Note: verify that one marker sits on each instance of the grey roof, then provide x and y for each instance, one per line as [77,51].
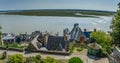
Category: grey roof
[76,32]
[55,43]
[8,36]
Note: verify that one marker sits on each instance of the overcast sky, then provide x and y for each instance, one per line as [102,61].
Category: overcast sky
[110,5]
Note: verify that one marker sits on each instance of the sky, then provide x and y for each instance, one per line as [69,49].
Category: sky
[107,5]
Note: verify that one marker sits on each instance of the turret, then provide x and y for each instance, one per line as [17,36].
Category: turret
[85,30]
[95,30]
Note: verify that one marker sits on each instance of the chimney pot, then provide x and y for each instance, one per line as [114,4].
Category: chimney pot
[85,30]
[95,30]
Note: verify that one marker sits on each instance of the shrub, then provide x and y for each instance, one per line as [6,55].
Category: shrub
[79,49]
[49,60]
[75,60]
[13,45]
[28,60]
[38,57]
[71,47]
[103,39]
[4,55]
[17,58]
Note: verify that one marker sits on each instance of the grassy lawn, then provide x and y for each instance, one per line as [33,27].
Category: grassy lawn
[15,45]
[2,60]
[62,61]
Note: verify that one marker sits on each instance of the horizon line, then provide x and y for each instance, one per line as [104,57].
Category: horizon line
[56,9]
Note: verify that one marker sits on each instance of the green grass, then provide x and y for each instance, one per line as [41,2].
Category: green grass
[79,49]
[62,61]
[2,60]
[14,45]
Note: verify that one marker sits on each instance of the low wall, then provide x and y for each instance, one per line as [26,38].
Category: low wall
[49,52]
[15,49]
[11,49]
[3,48]
[36,51]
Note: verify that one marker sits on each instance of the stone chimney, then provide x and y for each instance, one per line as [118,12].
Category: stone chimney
[65,37]
[95,30]
[85,30]
[45,39]
[57,34]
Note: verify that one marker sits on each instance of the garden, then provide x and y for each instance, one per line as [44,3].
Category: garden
[18,58]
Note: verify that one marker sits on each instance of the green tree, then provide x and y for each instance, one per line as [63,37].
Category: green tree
[38,57]
[115,25]
[28,60]
[4,55]
[71,46]
[119,4]
[0,37]
[75,60]
[17,58]
[49,60]
[103,39]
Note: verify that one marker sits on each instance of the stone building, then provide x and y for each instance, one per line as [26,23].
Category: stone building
[75,34]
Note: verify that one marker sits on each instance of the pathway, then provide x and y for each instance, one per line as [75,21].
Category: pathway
[85,58]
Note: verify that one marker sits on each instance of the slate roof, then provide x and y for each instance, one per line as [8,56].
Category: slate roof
[76,32]
[87,34]
[7,36]
[55,43]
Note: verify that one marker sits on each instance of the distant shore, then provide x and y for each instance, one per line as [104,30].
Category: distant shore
[63,12]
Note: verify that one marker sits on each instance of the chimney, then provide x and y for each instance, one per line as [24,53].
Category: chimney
[57,34]
[85,30]
[26,33]
[95,30]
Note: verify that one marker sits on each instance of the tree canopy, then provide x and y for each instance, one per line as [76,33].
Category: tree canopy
[0,27]
[49,60]
[75,60]
[17,58]
[103,39]
[115,25]
[119,4]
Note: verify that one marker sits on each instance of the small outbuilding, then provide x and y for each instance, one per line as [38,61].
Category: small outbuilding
[94,49]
